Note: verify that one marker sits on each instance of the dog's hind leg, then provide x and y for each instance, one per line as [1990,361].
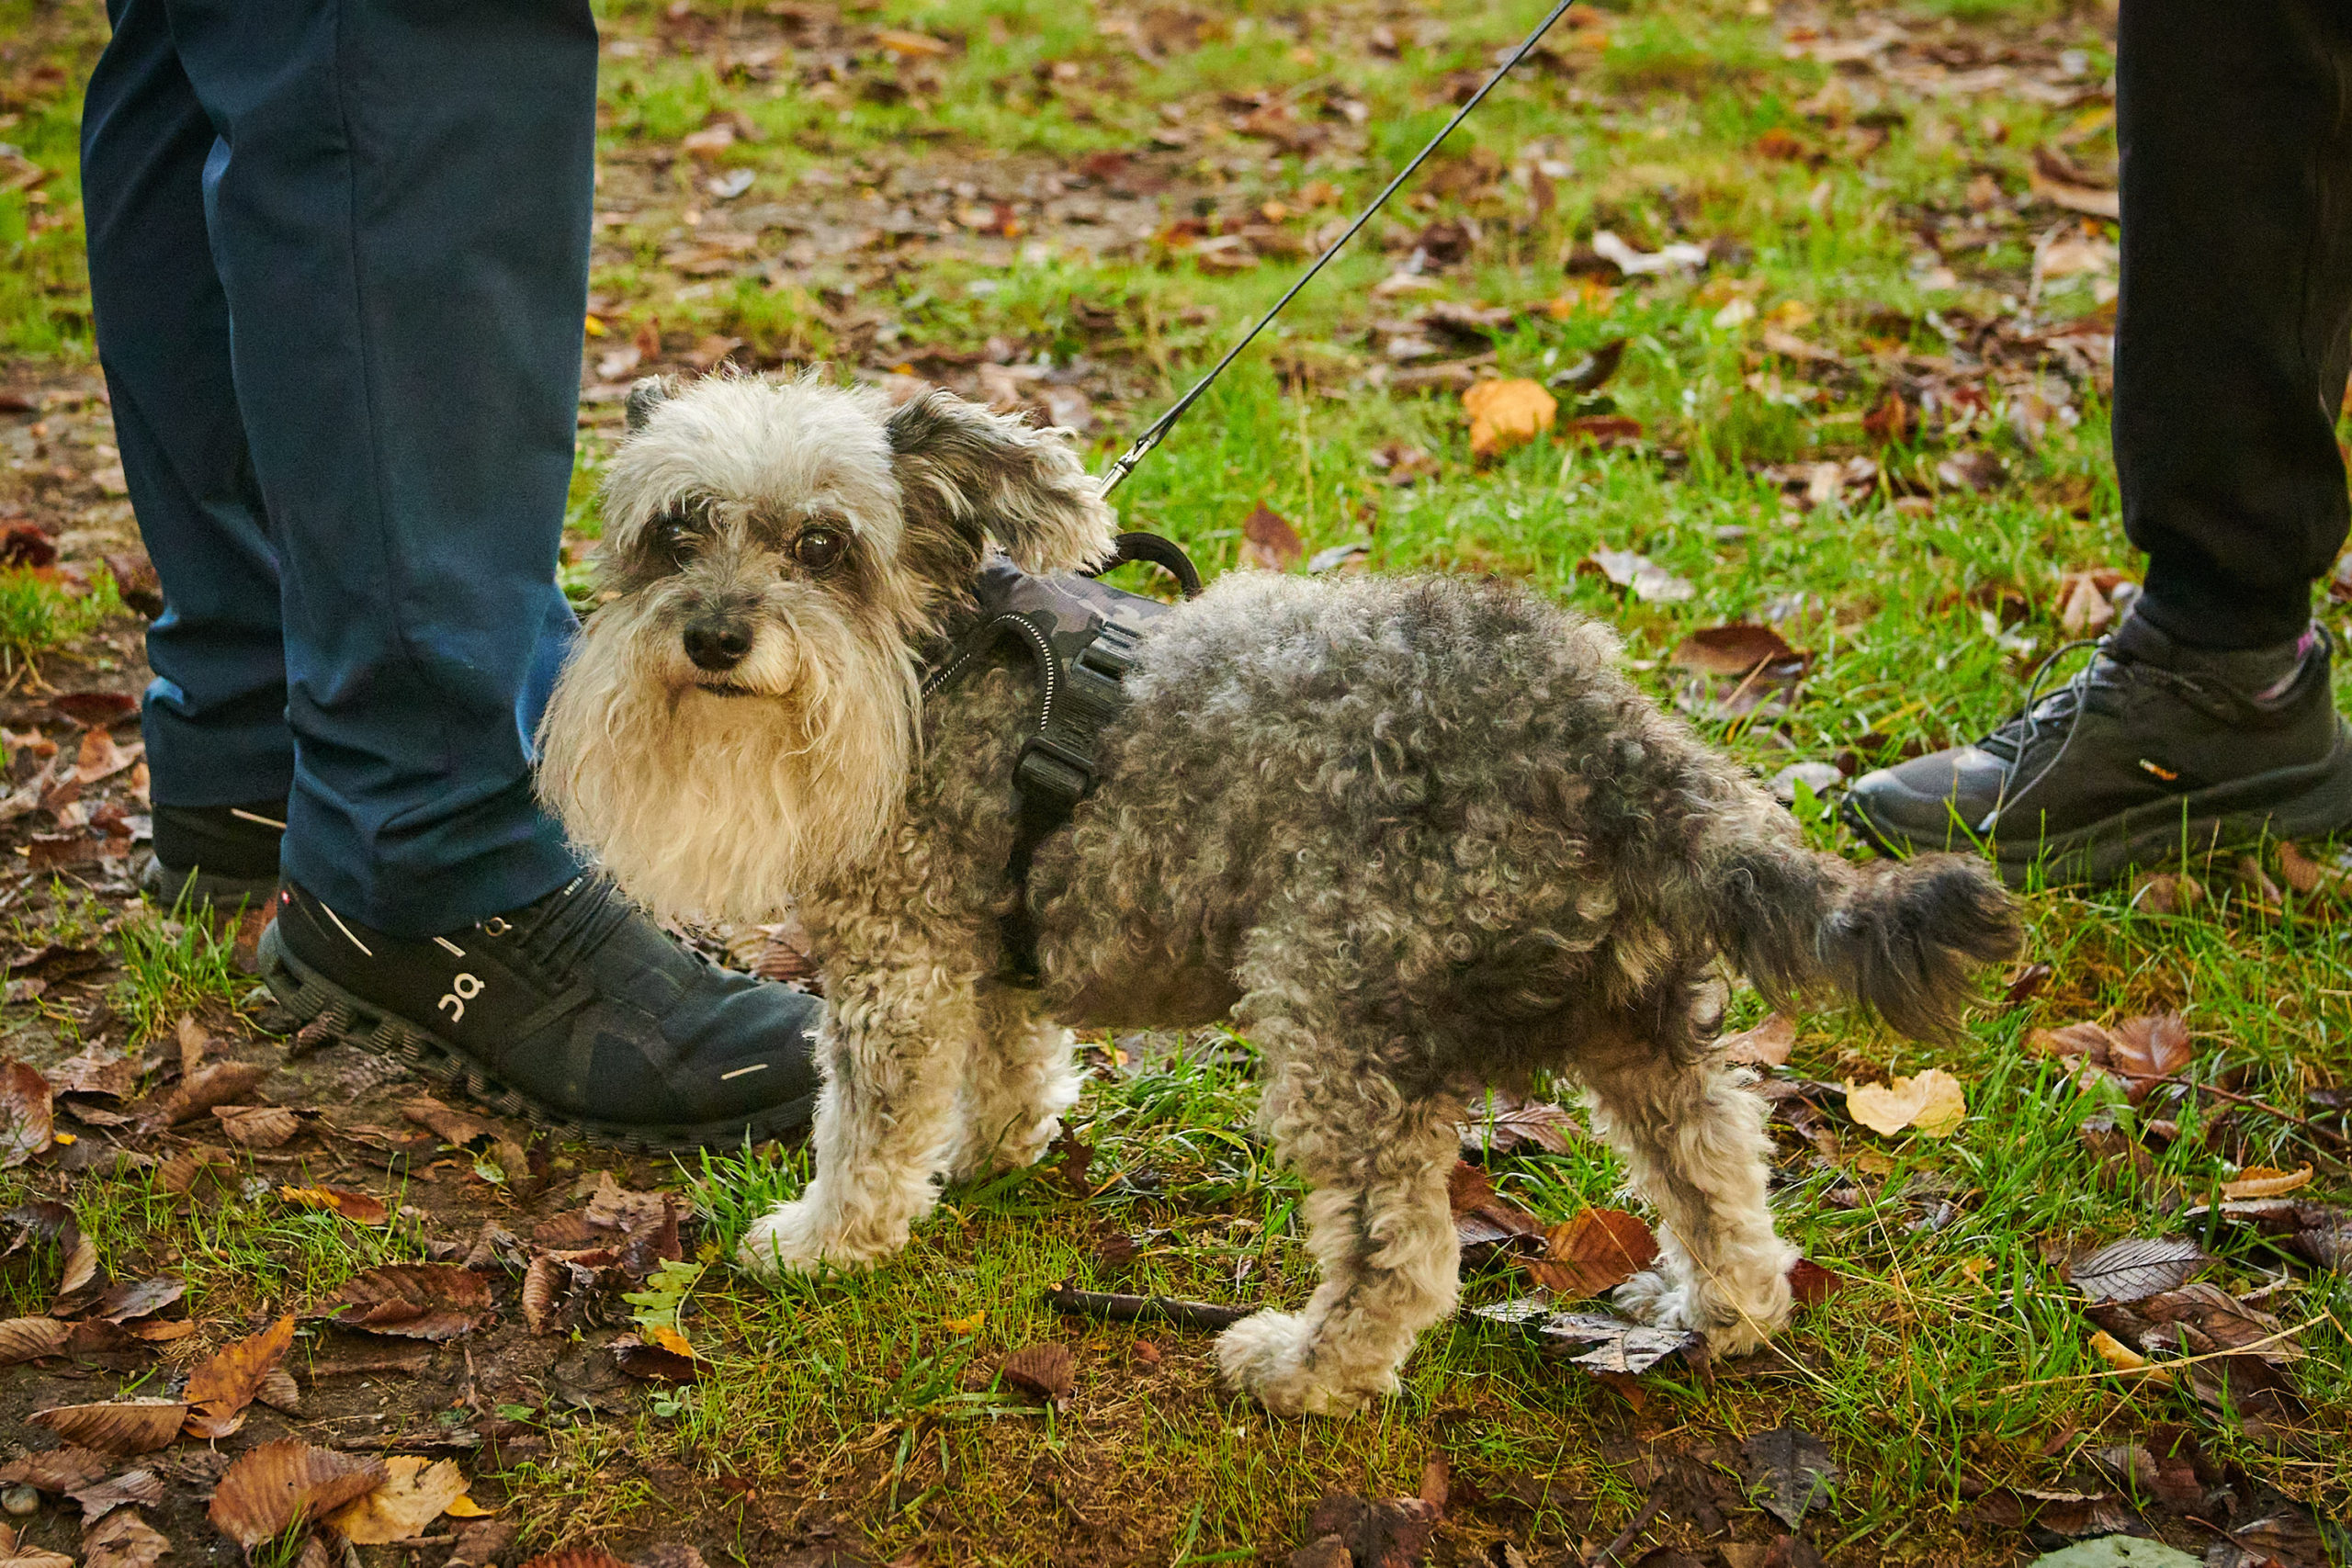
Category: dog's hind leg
[1022,1077]
[1376,1162]
[893,1052]
[1693,1139]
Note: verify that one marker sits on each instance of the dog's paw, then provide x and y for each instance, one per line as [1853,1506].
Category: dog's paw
[1013,1151]
[1264,1356]
[1731,1329]
[796,1238]
[1650,1297]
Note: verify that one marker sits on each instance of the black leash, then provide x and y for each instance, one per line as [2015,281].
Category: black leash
[1161,426]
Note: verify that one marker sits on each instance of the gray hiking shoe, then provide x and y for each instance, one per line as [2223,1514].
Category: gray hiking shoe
[2154,749]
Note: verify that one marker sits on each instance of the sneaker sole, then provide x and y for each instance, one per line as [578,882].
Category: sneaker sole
[2317,802]
[328,1011]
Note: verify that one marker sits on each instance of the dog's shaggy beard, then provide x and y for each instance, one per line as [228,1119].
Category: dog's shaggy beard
[714,807]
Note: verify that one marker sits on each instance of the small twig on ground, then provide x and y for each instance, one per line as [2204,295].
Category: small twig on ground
[1068,1298]
[2338,1139]
[1608,1554]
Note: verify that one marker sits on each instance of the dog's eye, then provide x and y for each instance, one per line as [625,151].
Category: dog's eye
[672,536]
[820,547]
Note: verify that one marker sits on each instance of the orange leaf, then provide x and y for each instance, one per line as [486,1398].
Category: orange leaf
[1507,413]
[219,1389]
[1598,1250]
[272,1486]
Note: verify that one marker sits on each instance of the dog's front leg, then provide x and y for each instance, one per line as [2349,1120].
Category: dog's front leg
[893,1052]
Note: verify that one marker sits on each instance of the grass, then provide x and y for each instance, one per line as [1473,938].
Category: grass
[1954,1358]
[39,615]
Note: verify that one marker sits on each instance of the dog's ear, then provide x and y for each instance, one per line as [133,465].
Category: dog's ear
[964,471]
[645,394]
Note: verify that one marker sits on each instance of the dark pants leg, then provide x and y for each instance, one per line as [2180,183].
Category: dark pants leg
[2236,319]
[339,260]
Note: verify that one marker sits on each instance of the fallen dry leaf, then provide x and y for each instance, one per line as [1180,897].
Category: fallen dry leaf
[655,1363]
[1503,1125]
[13,1555]
[106,1073]
[1597,1251]
[2136,1268]
[223,1083]
[1810,1283]
[130,1300]
[1601,1343]
[2303,873]
[577,1557]
[121,1426]
[1766,1045]
[413,1301]
[2150,1048]
[257,1126]
[1386,1532]
[1049,1372]
[29,1338]
[123,1540]
[57,1470]
[2261,1181]
[132,1487]
[1789,1470]
[194,1043]
[2055,179]
[413,1494]
[1268,541]
[271,1487]
[1649,581]
[1931,1103]
[914,45]
[1737,650]
[81,1268]
[194,1172]
[1507,413]
[28,1122]
[218,1390]
[358,1207]
[1483,1222]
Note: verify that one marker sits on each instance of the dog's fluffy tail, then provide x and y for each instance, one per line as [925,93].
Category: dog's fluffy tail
[1904,938]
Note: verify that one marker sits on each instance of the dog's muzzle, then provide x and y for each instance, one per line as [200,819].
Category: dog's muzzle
[718,643]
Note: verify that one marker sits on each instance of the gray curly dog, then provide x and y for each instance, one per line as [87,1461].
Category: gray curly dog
[1414,836]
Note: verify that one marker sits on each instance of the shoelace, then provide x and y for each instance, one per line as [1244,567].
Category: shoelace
[2018,733]
[571,923]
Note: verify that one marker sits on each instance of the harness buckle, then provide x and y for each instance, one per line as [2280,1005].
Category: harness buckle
[1053,771]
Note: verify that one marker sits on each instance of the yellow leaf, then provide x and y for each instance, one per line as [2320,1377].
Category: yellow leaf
[2261,1181]
[966,1325]
[464,1508]
[670,1339]
[2122,1357]
[413,1495]
[1507,413]
[1931,1103]
[595,327]
[899,41]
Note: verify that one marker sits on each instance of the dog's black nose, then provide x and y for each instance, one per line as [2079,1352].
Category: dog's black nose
[717,644]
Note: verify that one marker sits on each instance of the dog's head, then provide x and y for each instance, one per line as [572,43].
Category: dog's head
[739,715]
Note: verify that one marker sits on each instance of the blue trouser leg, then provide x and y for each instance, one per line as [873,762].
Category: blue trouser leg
[395,201]
[215,715]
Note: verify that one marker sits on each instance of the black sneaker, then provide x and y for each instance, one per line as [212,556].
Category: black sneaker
[222,855]
[2154,749]
[576,1013]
